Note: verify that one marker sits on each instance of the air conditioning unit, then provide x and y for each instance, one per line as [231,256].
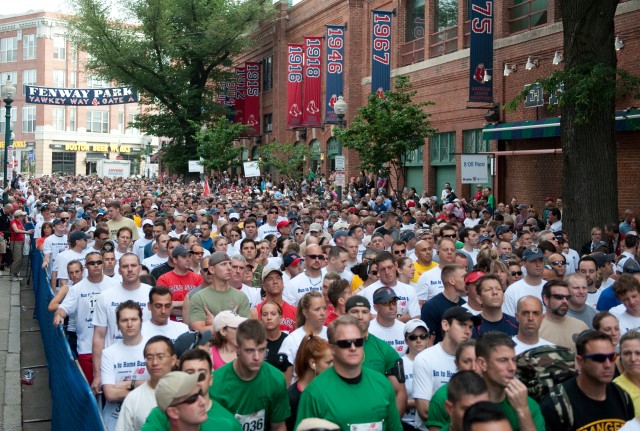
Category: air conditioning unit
[268,127]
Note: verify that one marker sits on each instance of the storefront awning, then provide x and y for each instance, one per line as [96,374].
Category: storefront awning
[94,157]
[626,120]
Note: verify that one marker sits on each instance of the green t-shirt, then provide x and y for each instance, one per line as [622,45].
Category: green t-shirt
[218,419]
[378,355]
[438,416]
[371,400]
[512,416]
[257,403]
[216,302]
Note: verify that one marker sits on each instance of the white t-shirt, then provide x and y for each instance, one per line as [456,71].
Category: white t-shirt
[592,298]
[54,245]
[408,302]
[410,415]
[432,368]
[267,229]
[37,231]
[429,284]
[518,290]
[632,425]
[171,330]
[79,304]
[523,347]
[121,363]
[253,295]
[139,245]
[393,336]
[627,321]
[299,285]
[136,407]
[154,261]
[108,301]
[292,342]
[63,260]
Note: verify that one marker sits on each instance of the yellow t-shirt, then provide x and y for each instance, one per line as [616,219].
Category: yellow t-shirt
[421,269]
[356,282]
[631,389]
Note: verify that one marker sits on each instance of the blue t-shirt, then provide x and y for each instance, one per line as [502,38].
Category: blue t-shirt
[607,300]
[432,312]
[508,324]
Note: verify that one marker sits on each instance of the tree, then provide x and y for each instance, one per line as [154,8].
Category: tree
[387,129]
[216,145]
[288,159]
[173,52]
[591,81]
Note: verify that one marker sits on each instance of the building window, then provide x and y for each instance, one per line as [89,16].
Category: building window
[14,118]
[59,78]
[267,120]
[73,79]
[95,82]
[63,163]
[73,119]
[60,47]
[98,121]
[414,26]
[121,121]
[473,142]
[57,119]
[526,14]
[444,40]
[443,148]
[28,47]
[8,49]
[28,78]
[135,162]
[28,119]
[130,130]
[446,14]
[267,73]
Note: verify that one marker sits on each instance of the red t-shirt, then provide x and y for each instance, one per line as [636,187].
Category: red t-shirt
[288,316]
[16,237]
[180,285]
[331,316]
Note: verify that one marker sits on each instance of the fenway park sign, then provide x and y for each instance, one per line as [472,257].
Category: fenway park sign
[81,96]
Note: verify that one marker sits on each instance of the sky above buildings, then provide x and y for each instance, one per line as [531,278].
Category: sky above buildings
[23,6]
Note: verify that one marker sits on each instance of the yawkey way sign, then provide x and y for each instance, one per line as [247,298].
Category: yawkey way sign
[81,96]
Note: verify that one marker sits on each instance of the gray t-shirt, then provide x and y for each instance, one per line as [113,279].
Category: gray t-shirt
[586,315]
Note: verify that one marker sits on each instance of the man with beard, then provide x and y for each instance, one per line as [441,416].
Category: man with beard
[556,326]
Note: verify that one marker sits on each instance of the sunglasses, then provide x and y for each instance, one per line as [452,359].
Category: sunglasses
[400,251]
[94,262]
[514,273]
[197,235]
[64,218]
[272,212]
[233,219]
[560,297]
[346,344]
[107,247]
[192,399]
[197,253]
[415,337]
[601,357]
[449,236]
[558,262]
[316,256]
[389,303]
[373,272]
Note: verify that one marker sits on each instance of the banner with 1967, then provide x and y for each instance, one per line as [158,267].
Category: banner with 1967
[381,51]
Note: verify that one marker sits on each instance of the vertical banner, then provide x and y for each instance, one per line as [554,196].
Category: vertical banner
[312,115]
[252,99]
[295,59]
[334,70]
[241,94]
[381,51]
[481,52]
[230,98]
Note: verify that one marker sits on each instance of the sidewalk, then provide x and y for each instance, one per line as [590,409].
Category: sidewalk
[10,388]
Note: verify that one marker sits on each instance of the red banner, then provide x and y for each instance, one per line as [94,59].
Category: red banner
[241,94]
[312,116]
[295,59]
[252,100]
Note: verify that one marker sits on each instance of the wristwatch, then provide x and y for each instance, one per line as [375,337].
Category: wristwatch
[133,385]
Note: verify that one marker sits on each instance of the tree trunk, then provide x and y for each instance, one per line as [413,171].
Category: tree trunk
[589,177]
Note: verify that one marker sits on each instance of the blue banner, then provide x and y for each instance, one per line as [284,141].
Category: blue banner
[335,69]
[381,51]
[80,96]
[481,56]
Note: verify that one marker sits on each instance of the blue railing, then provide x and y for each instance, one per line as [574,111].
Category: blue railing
[74,406]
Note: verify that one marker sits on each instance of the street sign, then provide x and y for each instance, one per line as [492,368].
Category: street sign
[340,162]
[474,169]
[340,179]
[196,166]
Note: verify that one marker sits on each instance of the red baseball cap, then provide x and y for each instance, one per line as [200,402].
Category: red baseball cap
[474,276]
[282,224]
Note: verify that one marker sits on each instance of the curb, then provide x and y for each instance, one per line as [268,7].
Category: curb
[12,403]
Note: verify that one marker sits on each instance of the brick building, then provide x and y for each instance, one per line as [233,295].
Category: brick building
[431,46]
[34,49]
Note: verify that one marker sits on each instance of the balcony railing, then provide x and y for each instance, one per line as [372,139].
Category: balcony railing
[443,42]
[412,52]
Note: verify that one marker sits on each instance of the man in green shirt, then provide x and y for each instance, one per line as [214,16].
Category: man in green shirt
[496,360]
[371,401]
[251,389]
[463,390]
[378,355]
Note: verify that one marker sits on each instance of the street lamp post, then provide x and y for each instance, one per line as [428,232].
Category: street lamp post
[8,92]
[148,159]
[340,108]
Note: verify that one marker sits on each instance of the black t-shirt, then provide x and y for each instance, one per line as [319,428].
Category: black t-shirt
[161,270]
[272,350]
[589,414]
[4,223]
[432,312]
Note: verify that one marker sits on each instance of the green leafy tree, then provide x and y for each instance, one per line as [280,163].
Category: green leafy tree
[216,145]
[387,129]
[591,82]
[287,159]
[174,52]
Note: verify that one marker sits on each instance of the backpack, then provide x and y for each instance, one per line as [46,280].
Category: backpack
[545,367]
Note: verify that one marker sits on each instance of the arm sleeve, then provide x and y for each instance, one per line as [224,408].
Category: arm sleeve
[70,302]
[438,415]
[125,418]
[421,287]
[287,349]
[393,416]
[509,306]
[244,308]
[289,295]
[536,414]
[100,314]
[414,307]
[108,376]
[422,380]
[280,408]
[196,311]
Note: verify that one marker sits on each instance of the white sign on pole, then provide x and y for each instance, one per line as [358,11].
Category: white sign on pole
[475,169]
[340,161]
[340,179]
[251,169]
[196,166]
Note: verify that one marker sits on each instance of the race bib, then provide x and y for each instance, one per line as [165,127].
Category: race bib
[253,421]
[373,426]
